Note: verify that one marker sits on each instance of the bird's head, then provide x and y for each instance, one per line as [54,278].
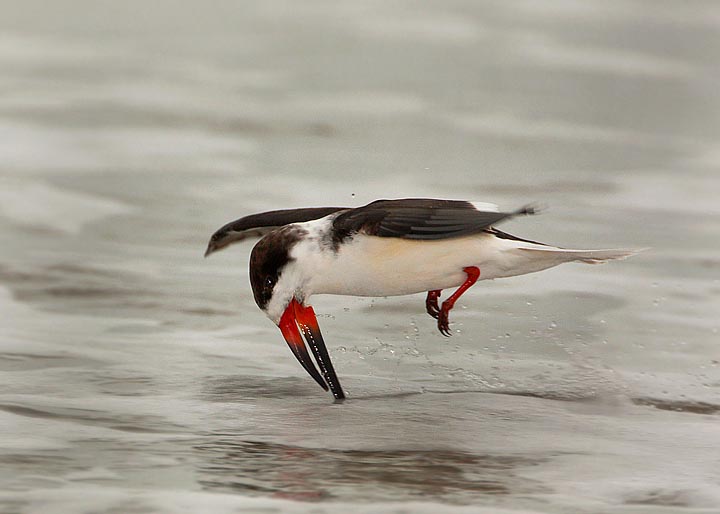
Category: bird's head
[278,287]
[274,275]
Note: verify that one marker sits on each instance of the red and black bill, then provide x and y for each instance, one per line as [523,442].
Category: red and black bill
[296,315]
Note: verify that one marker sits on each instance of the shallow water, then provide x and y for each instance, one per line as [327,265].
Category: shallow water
[138,377]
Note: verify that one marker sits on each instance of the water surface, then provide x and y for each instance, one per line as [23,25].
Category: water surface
[138,377]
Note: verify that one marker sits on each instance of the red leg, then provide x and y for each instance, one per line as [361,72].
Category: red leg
[473,274]
[431,303]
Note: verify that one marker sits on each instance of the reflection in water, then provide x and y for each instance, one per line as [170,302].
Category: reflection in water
[693,407]
[255,467]
[242,388]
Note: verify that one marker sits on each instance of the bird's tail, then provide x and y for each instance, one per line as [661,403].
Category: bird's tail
[586,256]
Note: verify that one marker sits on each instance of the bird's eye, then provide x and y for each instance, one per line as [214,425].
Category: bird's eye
[269,281]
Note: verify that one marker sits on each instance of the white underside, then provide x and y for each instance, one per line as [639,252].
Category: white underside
[380,266]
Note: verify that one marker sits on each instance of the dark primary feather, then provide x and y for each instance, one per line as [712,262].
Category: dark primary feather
[418,218]
[505,235]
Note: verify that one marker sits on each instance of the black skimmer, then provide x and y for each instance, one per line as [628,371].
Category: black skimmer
[385,248]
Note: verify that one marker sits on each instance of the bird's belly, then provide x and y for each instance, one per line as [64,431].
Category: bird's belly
[375,266]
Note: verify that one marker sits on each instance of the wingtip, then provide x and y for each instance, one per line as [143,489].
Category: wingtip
[531,209]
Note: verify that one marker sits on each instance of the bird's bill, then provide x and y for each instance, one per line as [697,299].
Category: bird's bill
[296,315]
[288,327]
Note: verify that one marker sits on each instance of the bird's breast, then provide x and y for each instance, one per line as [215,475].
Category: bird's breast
[383,266]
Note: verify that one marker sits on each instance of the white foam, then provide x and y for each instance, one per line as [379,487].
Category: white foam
[518,126]
[31,148]
[552,52]
[39,204]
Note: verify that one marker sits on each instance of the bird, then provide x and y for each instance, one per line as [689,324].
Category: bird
[385,248]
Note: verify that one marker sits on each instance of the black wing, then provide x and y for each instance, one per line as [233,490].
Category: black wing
[273,219]
[257,225]
[419,218]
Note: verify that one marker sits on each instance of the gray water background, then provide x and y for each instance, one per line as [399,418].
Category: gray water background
[138,377]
